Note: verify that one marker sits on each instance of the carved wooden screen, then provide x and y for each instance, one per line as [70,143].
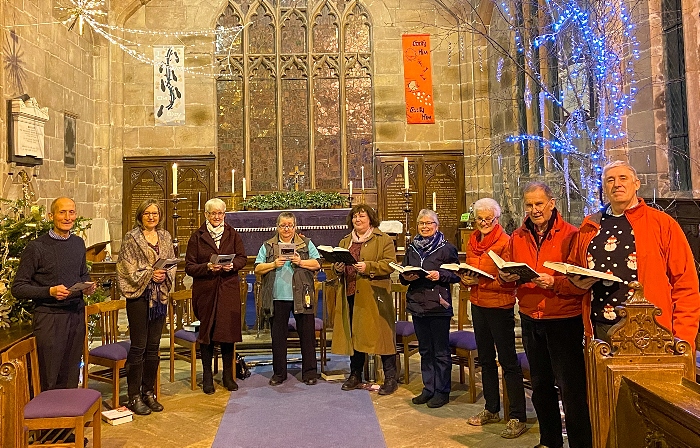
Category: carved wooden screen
[295,95]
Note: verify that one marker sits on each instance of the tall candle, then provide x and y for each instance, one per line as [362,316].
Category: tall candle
[199,200]
[174,178]
[362,169]
[233,181]
[405,173]
[350,184]
[244,189]
[434,202]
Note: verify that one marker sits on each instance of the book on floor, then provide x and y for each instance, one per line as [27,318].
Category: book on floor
[336,254]
[222,259]
[571,269]
[409,269]
[118,416]
[333,375]
[165,263]
[192,326]
[526,273]
[80,286]
[464,268]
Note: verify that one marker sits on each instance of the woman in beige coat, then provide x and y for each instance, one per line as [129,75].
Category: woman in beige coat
[365,318]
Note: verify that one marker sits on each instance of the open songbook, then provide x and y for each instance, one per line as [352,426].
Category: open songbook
[570,269]
[420,272]
[464,268]
[336,254]
[80,286]
[222,259]
[525,272]
[165,263]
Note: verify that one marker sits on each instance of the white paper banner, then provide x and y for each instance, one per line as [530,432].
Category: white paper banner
[169,85]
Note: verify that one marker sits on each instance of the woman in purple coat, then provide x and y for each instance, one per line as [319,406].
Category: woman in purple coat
[216,291]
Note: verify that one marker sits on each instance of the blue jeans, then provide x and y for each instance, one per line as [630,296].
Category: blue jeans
[433,333]
[554,348]
[494,329]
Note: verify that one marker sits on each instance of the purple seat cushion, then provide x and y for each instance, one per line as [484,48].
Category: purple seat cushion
[115,352]
[524,364]
[404,328]
[189,336]
[463,339]
[318,324]
[61,403]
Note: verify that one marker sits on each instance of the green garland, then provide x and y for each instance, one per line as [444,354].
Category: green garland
[20,223]
[284,200]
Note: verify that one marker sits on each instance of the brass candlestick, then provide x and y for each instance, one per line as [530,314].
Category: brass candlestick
[176,242]
[407,212]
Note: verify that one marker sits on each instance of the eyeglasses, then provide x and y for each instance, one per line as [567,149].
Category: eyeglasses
[286,226]
[151,213]
[486,222]
[426,223]
[216,213]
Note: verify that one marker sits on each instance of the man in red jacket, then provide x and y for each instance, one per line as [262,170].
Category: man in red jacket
[551,321]
[635,242]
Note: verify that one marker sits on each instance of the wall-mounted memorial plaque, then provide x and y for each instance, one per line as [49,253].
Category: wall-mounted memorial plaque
[440,174]
[26,134]
[152,177]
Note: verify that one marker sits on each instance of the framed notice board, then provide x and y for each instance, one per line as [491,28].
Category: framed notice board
[152,177]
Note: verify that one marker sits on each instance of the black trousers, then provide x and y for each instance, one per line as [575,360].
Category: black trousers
[144,354]
[59,340]
[433,333]
[554,348]
[307,340]
[494,330]
[357,359]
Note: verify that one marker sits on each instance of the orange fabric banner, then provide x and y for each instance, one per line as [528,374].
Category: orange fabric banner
[418,79]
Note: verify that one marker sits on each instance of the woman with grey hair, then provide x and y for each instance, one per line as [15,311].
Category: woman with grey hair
[494,321]
[216,291]
[429,301]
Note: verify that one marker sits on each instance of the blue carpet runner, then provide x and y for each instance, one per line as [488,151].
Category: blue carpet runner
[296,415]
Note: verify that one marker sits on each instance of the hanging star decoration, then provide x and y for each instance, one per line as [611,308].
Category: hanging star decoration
[81,11]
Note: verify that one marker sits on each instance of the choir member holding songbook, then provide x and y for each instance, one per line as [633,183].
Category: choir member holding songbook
[146,290]
[494,321]
[215,254]
[429,301]
[365,319]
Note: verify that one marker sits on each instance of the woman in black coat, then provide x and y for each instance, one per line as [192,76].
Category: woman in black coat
[216,291]
[429,301]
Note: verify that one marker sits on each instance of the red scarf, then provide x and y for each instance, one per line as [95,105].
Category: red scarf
[479,247]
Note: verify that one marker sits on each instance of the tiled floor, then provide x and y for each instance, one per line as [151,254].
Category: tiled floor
[191,418]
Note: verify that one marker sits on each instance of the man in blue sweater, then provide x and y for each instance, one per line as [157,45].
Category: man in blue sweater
[48,267]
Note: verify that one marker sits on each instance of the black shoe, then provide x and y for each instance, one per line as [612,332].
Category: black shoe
[208,383]
[438,400]
[276,380]
[422,398]
[310,381]
[230,384]
[389,387]
[354,381]
[149,399]
[138,406]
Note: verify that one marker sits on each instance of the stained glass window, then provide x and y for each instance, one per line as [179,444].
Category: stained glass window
[295,95]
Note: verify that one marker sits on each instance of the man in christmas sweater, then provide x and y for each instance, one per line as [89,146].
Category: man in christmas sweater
[635,242]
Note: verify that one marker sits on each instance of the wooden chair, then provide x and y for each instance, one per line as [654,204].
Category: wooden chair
[464,352]
[61,411]
[406,339]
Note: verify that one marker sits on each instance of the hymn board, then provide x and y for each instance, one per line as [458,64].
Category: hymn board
[152,177]
[441,174]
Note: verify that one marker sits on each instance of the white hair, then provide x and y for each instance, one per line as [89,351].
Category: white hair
[431,214]
[487,204]
[214,203]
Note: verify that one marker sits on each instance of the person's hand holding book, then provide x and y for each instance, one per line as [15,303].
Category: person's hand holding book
[159,275]
[433,275]
[508,278]
[360,266]
[544,281]
[583,282]
[469,279]
[410,277]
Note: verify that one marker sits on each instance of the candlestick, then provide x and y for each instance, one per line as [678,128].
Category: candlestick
[176,242]
[407,212]
[405,173]
[350,185]
[244,189]
[233,181]
[434,202]
[175,178]
[362,169]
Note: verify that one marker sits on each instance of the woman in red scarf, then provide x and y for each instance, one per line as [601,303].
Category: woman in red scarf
[494,321]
